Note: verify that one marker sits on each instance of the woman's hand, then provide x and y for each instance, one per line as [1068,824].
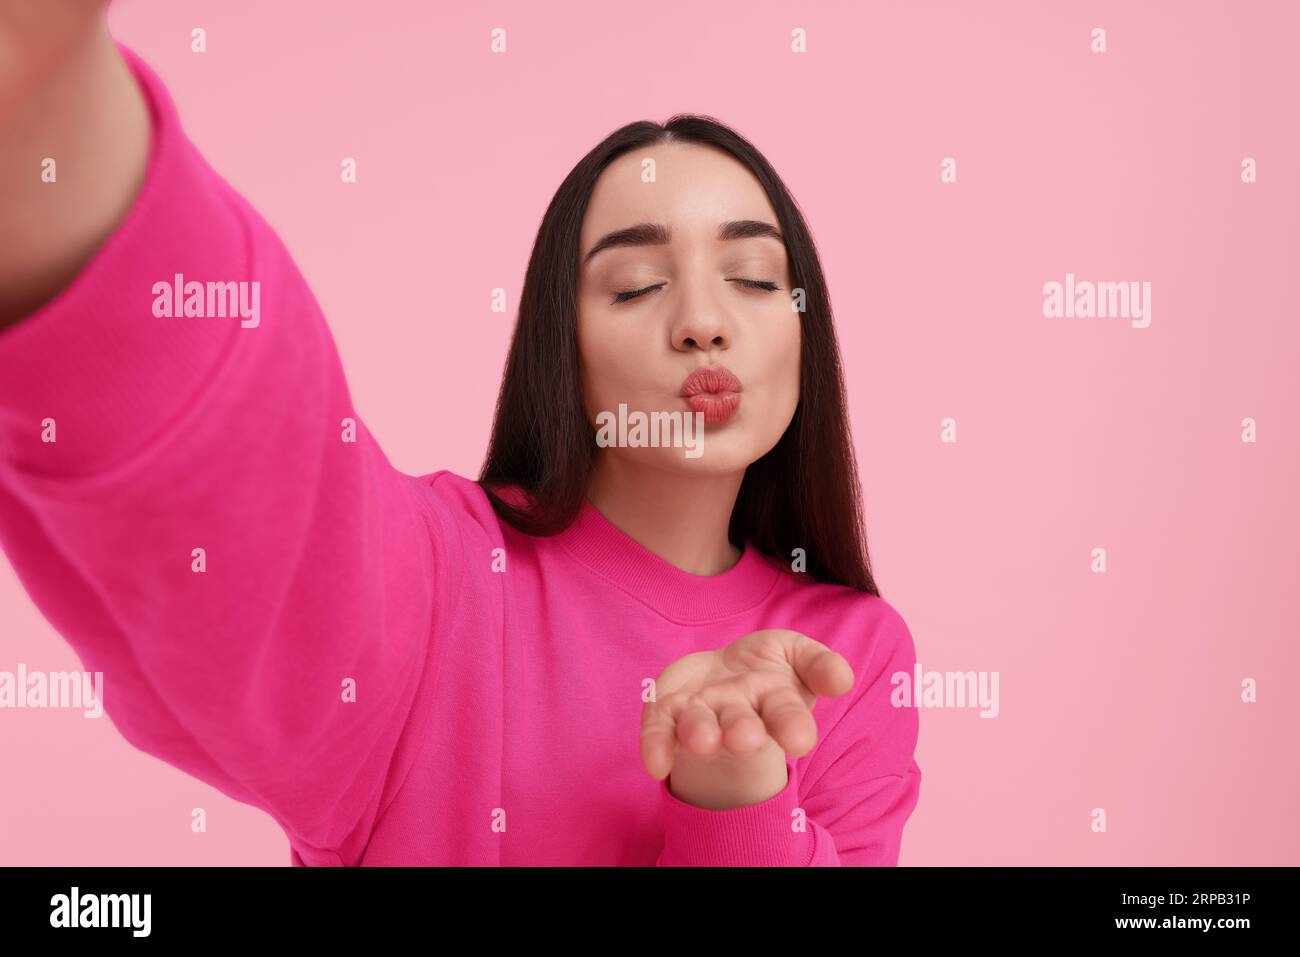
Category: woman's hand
[723,721]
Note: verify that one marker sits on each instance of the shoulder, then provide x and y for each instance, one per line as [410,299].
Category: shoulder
[460,505]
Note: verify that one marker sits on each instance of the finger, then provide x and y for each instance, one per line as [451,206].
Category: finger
[788,719]
[698,730]
[743,731]
[824,672]
[658,740]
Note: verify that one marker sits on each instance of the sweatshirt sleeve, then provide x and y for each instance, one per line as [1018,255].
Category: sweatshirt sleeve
[847,805]
[188,496]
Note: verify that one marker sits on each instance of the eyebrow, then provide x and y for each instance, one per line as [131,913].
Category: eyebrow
[656,234]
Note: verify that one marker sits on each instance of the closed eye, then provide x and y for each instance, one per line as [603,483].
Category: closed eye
[625,296]
[750,283]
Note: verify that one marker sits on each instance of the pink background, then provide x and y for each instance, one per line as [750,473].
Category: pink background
[1117,690]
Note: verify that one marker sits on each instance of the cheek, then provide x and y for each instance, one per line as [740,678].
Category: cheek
[609,362]
[787,348]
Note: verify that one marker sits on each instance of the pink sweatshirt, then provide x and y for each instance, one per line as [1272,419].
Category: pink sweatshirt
[346,652]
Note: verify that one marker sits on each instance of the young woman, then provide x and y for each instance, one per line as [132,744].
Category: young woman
[603,651]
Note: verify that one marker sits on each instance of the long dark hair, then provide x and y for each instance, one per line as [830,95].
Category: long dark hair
[803,493]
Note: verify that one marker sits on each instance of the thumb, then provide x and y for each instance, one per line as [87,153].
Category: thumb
[824,672]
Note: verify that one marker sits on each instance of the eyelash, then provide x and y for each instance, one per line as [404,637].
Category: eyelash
[638,293]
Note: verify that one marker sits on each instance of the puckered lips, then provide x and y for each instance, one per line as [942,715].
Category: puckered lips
[713,390]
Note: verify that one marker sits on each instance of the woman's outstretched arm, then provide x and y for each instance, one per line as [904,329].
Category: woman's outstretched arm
[74,145]
[185,489]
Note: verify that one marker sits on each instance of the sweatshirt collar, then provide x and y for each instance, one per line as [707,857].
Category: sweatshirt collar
[678,595]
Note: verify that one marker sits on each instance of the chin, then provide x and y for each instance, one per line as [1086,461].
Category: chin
[719,454]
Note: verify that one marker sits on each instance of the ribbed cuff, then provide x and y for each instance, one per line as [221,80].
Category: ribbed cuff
[757,835]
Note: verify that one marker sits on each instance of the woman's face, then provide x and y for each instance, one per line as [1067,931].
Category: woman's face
[705,302]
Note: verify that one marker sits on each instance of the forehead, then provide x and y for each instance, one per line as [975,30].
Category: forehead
[694,189]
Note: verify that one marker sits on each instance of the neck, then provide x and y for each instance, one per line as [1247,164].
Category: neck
[681,518]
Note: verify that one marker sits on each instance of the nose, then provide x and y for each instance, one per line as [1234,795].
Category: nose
[700,324]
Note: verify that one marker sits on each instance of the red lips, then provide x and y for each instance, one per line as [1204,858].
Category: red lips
[713,391]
